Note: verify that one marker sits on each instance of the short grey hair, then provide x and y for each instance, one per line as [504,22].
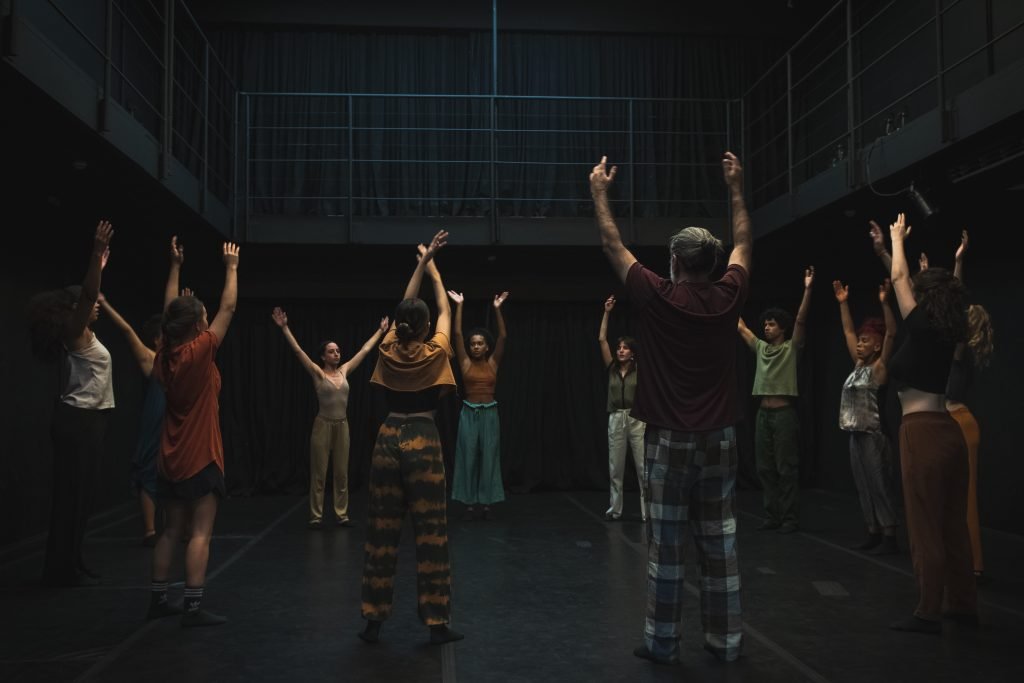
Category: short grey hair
[697,251]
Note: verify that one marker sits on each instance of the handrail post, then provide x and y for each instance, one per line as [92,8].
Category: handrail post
[940,75]
[166,130]
[351,167]
[851,117]
[632,179]
[789,120]
[206,128]
[108,50]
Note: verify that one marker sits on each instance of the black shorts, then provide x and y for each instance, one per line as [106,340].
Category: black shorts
[208,480]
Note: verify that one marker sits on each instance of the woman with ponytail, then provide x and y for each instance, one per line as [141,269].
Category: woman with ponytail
[407,470]
[61,326]
[191,462]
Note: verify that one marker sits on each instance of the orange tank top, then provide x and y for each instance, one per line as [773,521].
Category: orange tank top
[479,379]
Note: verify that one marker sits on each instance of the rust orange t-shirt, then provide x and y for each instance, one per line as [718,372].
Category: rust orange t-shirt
[191,433]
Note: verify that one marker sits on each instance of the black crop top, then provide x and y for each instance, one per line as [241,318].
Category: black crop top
[413,401]
[961,376]
[923,360]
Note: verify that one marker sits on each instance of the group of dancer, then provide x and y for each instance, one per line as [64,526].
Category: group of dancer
[678,417]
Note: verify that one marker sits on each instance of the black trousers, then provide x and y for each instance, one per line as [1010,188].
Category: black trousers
[77,435]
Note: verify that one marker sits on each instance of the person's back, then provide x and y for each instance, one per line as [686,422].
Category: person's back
[688,399]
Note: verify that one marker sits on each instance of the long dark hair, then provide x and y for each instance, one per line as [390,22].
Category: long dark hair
[176,326]
[942,297]
[411,318]
[48,316]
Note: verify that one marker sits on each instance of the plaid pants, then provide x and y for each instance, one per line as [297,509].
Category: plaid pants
[691,478]
[407,474]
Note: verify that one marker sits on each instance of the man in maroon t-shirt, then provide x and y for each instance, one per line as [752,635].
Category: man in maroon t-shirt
[686,393]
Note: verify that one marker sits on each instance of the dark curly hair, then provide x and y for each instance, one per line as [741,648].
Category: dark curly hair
[941,296]
[411,318]
[781,316]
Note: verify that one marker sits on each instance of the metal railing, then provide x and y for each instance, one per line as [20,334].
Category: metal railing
[152,58]
[352,155]
[865,70]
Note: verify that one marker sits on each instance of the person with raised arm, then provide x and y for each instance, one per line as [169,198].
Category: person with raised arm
[933,453]
[870,347]
[971,356]
[144,458]
[688,399]
[777,428]
[622,428]
[407,468]
[477,479]
[190,481]
[60,324]
[329,441]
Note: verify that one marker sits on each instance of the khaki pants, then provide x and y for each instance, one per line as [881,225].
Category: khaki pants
[623,430]
[329,438]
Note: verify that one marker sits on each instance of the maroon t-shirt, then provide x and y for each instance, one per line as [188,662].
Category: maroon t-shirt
[687,339]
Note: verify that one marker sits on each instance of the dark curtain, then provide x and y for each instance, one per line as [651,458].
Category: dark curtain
[551,390]
[433,156]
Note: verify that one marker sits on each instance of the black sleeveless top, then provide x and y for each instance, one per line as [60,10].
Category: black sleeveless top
[923,360]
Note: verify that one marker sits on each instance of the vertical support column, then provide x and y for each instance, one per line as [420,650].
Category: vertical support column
[205,171]
[235,151]
[166,120]
[940,75]
[245,189]
[103,115]
[789,122]
[632,178]
[495,230]
[851,116]
[728,146]
[351,167]
[8,34]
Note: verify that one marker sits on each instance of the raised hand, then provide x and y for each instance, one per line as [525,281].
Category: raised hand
[609,304]
[185,291]
[732,170]
[962,249]
[231,254]
[600,178]
[385,323]
[884,290]
[104,258]
[842,291]
[280,317]
[808,277]
[455,296]
[899,230]
[499,299]
[877,239]
[104,232]
[177,251]
[440,239]
[922,261]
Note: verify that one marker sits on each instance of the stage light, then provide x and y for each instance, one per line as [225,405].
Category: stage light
[920,201]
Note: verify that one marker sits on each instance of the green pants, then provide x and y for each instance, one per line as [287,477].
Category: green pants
[777,450]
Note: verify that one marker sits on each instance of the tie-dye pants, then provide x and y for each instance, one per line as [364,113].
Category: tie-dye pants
[407,474]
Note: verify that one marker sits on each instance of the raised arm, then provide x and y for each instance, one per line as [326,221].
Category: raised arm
[280,319]
[900,273]
[229,297]
[177,258]
[499,343]
[849,334]
[800,324]
[426,262]
[602,334]
[878,244]
[742,234]
[74,334]
[748,337]
[412,289]
[611,241]
[367,346]
[891,326]
[958,259]
[143,354]
[457,341]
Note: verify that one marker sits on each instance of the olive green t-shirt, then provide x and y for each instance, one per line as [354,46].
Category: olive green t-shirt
[776,369]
